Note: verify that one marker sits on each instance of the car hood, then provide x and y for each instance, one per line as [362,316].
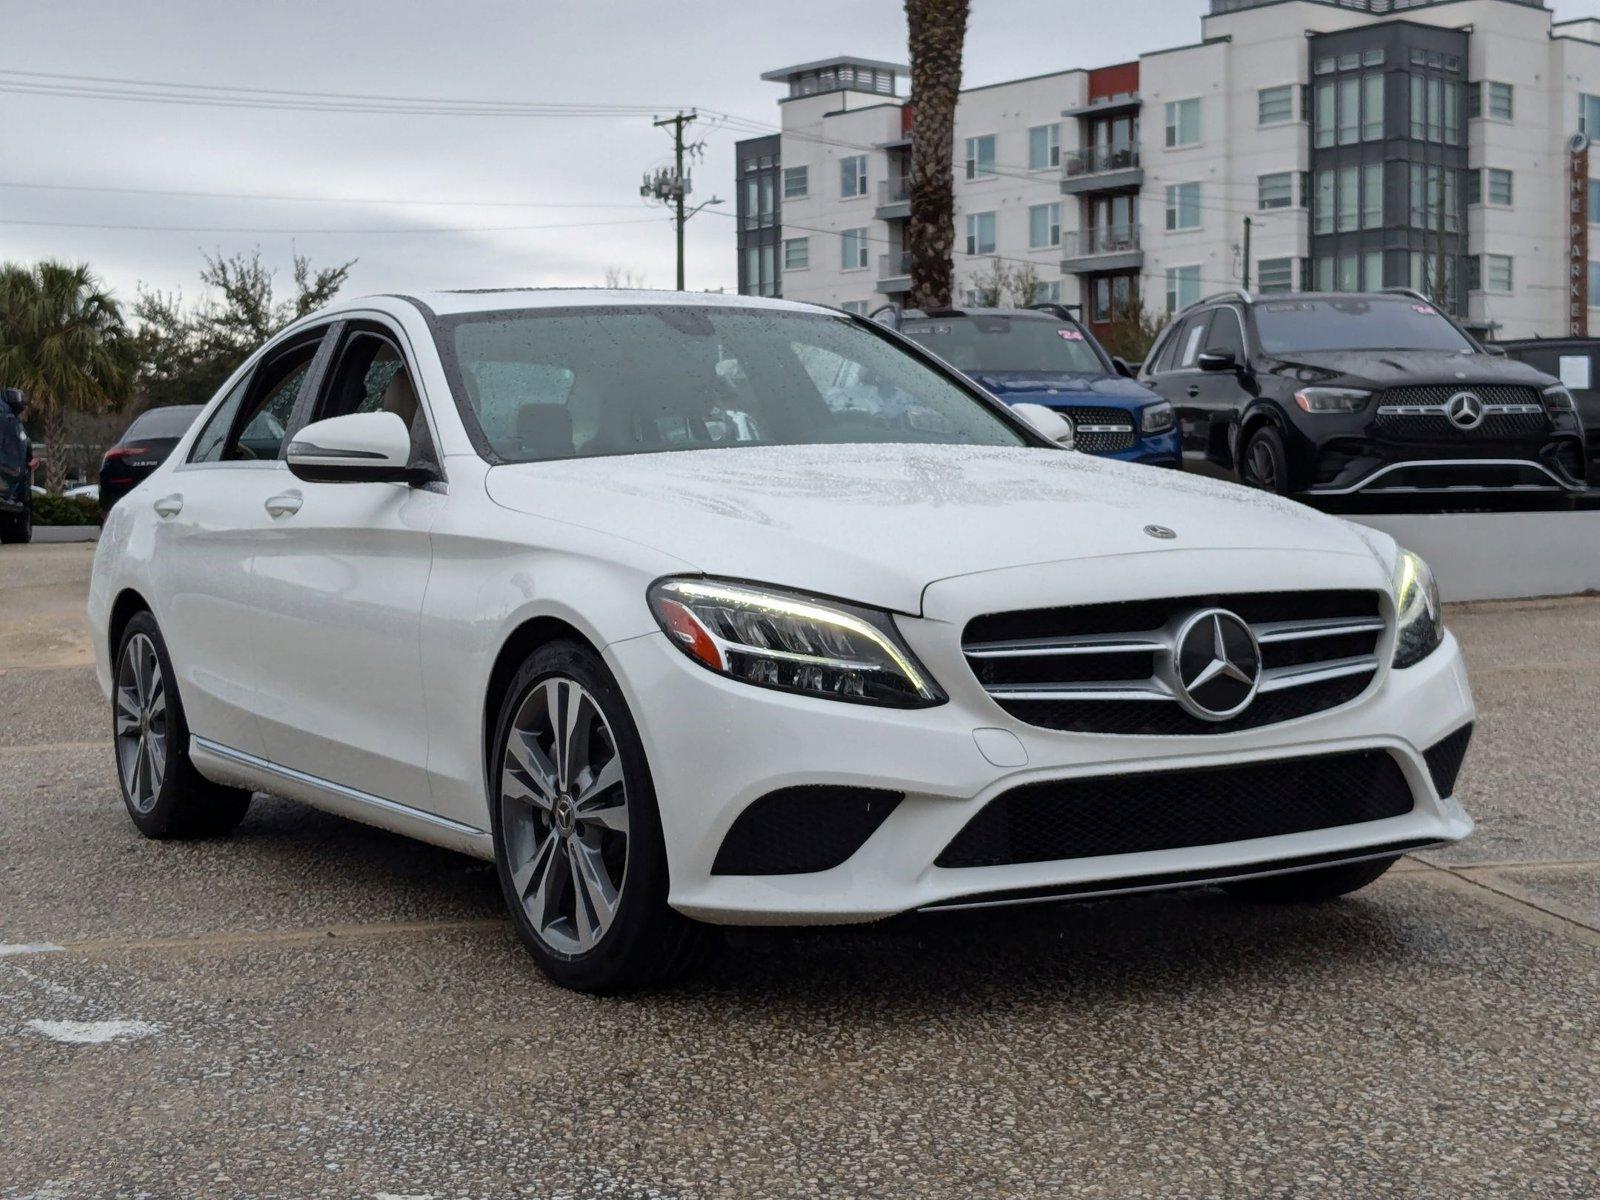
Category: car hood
[1064,390]
[878,523]
[1397,368]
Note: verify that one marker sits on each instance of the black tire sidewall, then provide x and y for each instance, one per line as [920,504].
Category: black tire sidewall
[616,961]
[164,816]
[1270,437]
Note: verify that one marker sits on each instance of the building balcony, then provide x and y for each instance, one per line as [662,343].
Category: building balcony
[894,272]
[1112,248]
[1101,169]
[894,200]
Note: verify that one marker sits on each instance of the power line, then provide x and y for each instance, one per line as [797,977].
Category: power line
[400,230]
[357,200]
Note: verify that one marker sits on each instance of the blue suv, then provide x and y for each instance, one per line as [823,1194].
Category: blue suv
[1045,356]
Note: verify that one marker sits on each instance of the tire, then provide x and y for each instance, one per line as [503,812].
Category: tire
[164,793]
[17,528]
[583,867]
[1264,463]
[1311,887]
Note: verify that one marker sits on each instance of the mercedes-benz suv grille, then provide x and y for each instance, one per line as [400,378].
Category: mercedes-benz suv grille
[1102,430]
[1420,413]
[1112,668]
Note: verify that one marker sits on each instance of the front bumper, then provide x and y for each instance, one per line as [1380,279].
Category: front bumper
[716,746]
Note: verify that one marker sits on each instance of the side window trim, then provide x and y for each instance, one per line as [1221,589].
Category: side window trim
[315,374]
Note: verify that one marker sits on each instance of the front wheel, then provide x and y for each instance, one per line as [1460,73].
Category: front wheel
[577,834]
[1264,463]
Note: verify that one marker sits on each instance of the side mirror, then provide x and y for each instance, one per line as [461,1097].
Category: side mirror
[1497,351]
[15,400]
[1121,364]
[359,448]
[1218,360]
[1048,422]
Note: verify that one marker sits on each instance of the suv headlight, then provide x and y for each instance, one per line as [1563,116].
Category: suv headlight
[1419,627]
[1331,399]
[1558,400]
[1157,418]
[792,642]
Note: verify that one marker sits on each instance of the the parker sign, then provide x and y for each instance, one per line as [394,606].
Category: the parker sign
[1578,236]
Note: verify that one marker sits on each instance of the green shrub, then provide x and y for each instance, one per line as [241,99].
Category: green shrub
[64,510]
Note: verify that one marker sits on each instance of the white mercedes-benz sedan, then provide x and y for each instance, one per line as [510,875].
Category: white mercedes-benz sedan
[691,610]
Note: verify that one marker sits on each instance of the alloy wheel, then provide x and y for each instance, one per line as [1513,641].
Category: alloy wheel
[141,722]
[564,815]
[1263,466]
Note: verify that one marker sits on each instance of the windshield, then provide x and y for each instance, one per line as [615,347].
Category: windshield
[1370,323]
[171,422]
[583,382]
[978,344]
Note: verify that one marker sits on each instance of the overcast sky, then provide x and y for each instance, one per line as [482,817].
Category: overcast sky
[572,172]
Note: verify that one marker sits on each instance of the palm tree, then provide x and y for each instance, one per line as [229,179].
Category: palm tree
[63,342]
[937,29]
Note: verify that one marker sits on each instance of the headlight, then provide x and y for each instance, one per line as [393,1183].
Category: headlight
[1331,399]
[1558,400]
[1157,418]
[792,642]
[1419,626]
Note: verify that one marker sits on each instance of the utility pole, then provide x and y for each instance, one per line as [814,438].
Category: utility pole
[1247,254]
[672,185]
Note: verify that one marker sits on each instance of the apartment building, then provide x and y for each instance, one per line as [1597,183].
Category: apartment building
[1298,145]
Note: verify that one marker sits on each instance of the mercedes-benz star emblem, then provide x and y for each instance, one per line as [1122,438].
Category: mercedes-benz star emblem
[1160,531]
[1465,410]
[1216,665]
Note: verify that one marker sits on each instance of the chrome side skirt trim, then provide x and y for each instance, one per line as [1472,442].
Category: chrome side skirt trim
[1439,464]
[351,802]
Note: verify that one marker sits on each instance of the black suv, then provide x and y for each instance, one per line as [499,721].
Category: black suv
[16,470]
[1370,393]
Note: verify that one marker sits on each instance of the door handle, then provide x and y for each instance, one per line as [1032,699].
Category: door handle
[285,504]
[1194,391]
[169,506]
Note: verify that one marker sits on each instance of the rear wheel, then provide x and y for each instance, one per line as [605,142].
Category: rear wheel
[1265,462]
[577,834]
[1311,887]
[164,793]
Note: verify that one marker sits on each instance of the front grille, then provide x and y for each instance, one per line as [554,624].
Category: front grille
[1444,759]
[1166,810]
[1101,430]
[1439,393]
[800,829]
[1417,414]
[1109,668]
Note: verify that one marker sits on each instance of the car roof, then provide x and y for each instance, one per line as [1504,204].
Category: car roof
[1034,314]
[474,300]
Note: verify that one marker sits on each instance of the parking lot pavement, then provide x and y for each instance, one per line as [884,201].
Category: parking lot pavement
[313,1008]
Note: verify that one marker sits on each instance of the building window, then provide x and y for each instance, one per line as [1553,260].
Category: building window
[980,233]
[853,249]
[1431,186]
[1589,116]
[1275,105]
[980,156]
[1499,189]
[1324,205]
[1183,287]
[1371,108]
[1594,201]
[1047,292]
[1276,275]
[1349,278]
[1594,284]
[858,307]
[796,182]
[1496,273]
[1419,108]
[1276,190]
[1372,270]
[1324,121]
[1183,206]
[853,175]
[1372,196]
[1452,113]
[1349,198]
[796,253]
[1044,226]
[1349,110]
[1499,101]
[1183,122]
[1044,147]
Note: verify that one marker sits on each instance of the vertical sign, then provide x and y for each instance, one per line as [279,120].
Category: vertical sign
[1578,236]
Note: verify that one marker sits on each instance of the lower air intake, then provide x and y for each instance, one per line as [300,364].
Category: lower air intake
[1444,759]
[796,830]
[1164,810]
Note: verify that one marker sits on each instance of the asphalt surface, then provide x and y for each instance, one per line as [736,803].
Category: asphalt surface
[313,1008]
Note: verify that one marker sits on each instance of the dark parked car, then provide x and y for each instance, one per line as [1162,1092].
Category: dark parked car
[1367,393]
[1576,361]
[16,470]
[1045,356]
[142,448]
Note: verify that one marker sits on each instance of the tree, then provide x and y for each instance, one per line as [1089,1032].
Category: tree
[1023,284]
[619,277]
[63,342]
[1133,330]
[185,355]
[937,31]
[989,288]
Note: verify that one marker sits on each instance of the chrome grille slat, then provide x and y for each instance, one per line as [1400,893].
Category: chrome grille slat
[1277,678]
[1268,632]
[1149,689]
[1043,647]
